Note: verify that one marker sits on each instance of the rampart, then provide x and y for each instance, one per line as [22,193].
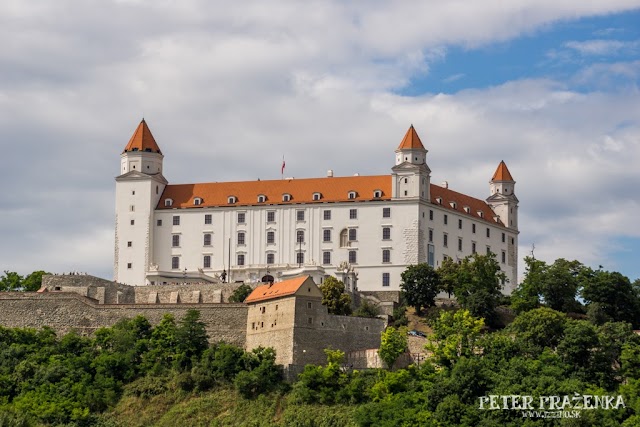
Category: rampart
[68,311]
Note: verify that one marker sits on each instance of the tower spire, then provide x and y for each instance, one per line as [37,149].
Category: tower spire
[142,140]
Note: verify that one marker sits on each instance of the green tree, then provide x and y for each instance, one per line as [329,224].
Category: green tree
[334,296]
[420,286]
[613,293]
[33,281]
[192,339]
[526,296]
[367,309]
[240,293]
[455,334]
[538,328]
[393,343]
[478,282]
[10,281]
[559,285]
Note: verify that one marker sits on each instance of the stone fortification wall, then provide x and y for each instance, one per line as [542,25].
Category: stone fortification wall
[108,292]
[65,312]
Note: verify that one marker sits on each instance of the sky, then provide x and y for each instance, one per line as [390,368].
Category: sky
[228,88]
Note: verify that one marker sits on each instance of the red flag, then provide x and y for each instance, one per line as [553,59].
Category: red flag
[282,170]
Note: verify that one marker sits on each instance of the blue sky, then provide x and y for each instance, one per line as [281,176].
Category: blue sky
[549,86]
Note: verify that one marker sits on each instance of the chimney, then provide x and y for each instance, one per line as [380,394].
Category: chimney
[445,184]
[330,173]
[356,174]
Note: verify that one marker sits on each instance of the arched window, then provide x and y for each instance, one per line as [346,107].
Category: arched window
[231,200]
[377,194]
[207,239]
[197,201]
[286,197]
[344,238]
[262,198]
[352,194]
[168,202]
[317,196]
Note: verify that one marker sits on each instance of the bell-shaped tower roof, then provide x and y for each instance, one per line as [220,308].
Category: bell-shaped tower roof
[142,140]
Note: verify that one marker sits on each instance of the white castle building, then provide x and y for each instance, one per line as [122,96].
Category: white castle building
[371,227]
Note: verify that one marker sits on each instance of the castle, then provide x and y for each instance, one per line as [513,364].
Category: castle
[363,229]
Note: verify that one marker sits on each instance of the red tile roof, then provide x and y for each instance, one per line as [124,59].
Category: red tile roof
[336,189]
[411,141]
[277,290]
[502,173]
[331,189]
[142,140]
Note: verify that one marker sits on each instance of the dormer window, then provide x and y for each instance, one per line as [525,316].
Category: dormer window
[352,194]
[453,204]
[439,200]
[467,209]
[168,203]
[481,214]
[197,201]
[317,196]
[286,197]
[262,198]
[377,194]
[232,199]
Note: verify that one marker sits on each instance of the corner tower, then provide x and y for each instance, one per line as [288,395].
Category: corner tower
[503,199]
[411,175]
[138,189]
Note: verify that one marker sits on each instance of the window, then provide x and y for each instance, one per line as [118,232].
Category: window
[504,238]
[386,279]
[446,219]
[386,255]
[271,237]
[231,200]
[430,215]
[129,244]
[377,194]
[430,235]
[488,232]
[207,219]
[353,234]
[176,220]
[351,194]
[168,203]
[300,236]
[129,265]
[353,213]
[240,259]
[473,228]
[406,180]
[159,223]
[353,257]
[317,196]
[286,197]
[206,261]
[326,258]
[386,233]
[197,201]
[207,239]
[175,240]
[504,257]
[459,224]
[271,258]
[241,217]
[241,240]
[262,198]
[132,208]
[310,320]
[459,244]
[386,212]
[445,241]
[473,247]
[133,221]
[344,238]
[327,215]
[300,257]
[326,235]
[300,215]
[271,216]
[488,250]
[175,262]
[133,193]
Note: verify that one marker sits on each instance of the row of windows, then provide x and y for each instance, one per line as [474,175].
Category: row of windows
[473,226]
[271,216]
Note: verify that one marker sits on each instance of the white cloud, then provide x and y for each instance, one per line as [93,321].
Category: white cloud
[227,88]
[602,47]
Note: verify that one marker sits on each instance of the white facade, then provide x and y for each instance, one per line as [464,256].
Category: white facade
[374,225]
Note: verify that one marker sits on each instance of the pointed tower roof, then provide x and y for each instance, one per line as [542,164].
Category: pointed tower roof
[142,140]
[502,173]
[411,141]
